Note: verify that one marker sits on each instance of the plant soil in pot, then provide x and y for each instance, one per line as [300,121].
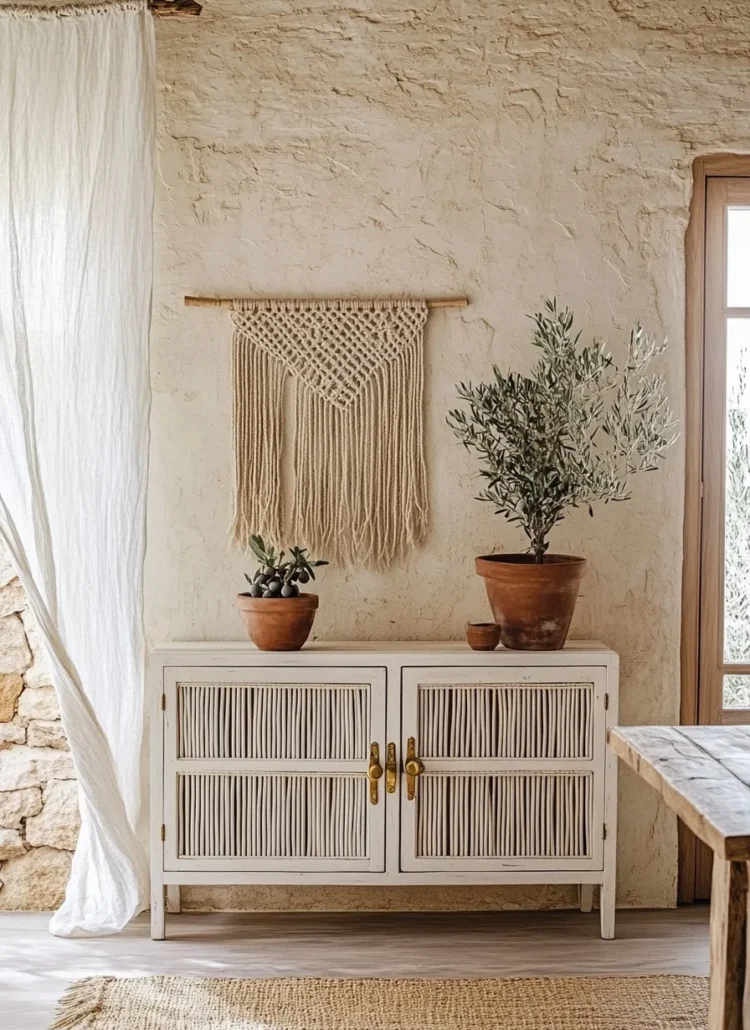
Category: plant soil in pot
[277,615]
[571,433]
[532,603]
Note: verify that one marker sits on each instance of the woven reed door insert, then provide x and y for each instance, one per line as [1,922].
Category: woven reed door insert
[509,758]
[266,769]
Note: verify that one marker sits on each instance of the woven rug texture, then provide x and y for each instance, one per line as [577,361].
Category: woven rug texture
[186,1003]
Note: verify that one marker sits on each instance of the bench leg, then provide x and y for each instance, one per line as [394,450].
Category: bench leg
[729,896]
[586,896]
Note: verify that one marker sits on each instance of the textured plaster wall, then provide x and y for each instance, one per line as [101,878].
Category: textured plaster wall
[502,150]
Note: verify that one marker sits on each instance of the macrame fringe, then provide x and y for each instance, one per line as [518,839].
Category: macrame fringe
[360,480]
[356,373]
[258,440]
[81,1003]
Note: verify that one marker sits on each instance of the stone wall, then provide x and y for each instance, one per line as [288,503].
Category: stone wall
[38,792]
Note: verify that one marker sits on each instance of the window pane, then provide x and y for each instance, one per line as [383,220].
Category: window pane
[737,497]
[738,257]
[737,692]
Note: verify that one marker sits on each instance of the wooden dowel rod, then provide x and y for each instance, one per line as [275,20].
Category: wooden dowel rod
[228,302]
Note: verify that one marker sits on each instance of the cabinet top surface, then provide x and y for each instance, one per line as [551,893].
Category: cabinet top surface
[574,649]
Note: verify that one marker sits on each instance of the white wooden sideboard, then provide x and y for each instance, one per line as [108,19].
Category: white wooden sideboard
[382,763]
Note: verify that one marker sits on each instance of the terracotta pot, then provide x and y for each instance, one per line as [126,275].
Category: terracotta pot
[278,623]
[482,636]
[533,604]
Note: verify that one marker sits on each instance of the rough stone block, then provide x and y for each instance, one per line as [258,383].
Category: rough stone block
[58,823]
[39,674]
[12,733]
[39,703]
[11,845]
[16,805]
[11,685]
[15,655]
[45,733]
[12,598]
[32,766]
[35,881]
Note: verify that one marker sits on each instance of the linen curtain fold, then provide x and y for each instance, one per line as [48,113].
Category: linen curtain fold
[77,119]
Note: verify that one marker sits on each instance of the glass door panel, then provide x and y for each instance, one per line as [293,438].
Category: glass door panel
[724,690]
[738,256]
[736,692]
[737,488]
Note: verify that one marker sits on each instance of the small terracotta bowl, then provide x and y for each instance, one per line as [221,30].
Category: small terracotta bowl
[482,636]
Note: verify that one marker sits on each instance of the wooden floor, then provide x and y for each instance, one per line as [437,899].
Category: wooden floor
[35,968]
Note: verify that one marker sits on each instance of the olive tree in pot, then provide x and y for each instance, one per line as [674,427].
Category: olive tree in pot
[571,433]
[277,615]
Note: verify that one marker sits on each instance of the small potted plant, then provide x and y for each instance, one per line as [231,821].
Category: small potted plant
[571,433]
[278,616]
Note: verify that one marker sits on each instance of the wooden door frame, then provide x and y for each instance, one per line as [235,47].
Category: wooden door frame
[704,168]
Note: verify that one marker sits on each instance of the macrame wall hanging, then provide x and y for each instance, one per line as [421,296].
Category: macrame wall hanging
[356,377]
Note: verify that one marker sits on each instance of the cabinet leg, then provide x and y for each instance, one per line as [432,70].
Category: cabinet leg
[173,897]
[729,894]
[607,909]
[586,896]
[158,912]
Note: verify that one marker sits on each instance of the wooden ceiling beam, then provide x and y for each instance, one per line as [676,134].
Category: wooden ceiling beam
[175,8]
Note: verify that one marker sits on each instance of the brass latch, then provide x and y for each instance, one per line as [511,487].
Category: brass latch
[374,772]
[391,770]
[413,767]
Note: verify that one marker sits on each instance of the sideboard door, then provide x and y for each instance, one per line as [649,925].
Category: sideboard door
[266,769]
[513,768]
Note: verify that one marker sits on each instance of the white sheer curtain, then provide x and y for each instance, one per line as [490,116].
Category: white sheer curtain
[76,193]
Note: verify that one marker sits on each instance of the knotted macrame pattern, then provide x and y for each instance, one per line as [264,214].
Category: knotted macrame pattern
[359,495]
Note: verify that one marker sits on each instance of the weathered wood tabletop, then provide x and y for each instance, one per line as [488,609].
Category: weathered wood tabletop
[703,774]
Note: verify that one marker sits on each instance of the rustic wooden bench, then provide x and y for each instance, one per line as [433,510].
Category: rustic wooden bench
[703,774]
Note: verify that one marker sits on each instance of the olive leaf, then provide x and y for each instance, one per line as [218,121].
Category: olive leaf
[571,433]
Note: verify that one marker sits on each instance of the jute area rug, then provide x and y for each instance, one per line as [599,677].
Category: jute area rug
[182,1003]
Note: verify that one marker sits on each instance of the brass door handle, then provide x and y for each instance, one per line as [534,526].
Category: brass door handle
[391,770]
[413,767]
[374,772]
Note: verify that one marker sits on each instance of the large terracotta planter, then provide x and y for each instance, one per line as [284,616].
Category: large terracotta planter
[533,604]
[278,623]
